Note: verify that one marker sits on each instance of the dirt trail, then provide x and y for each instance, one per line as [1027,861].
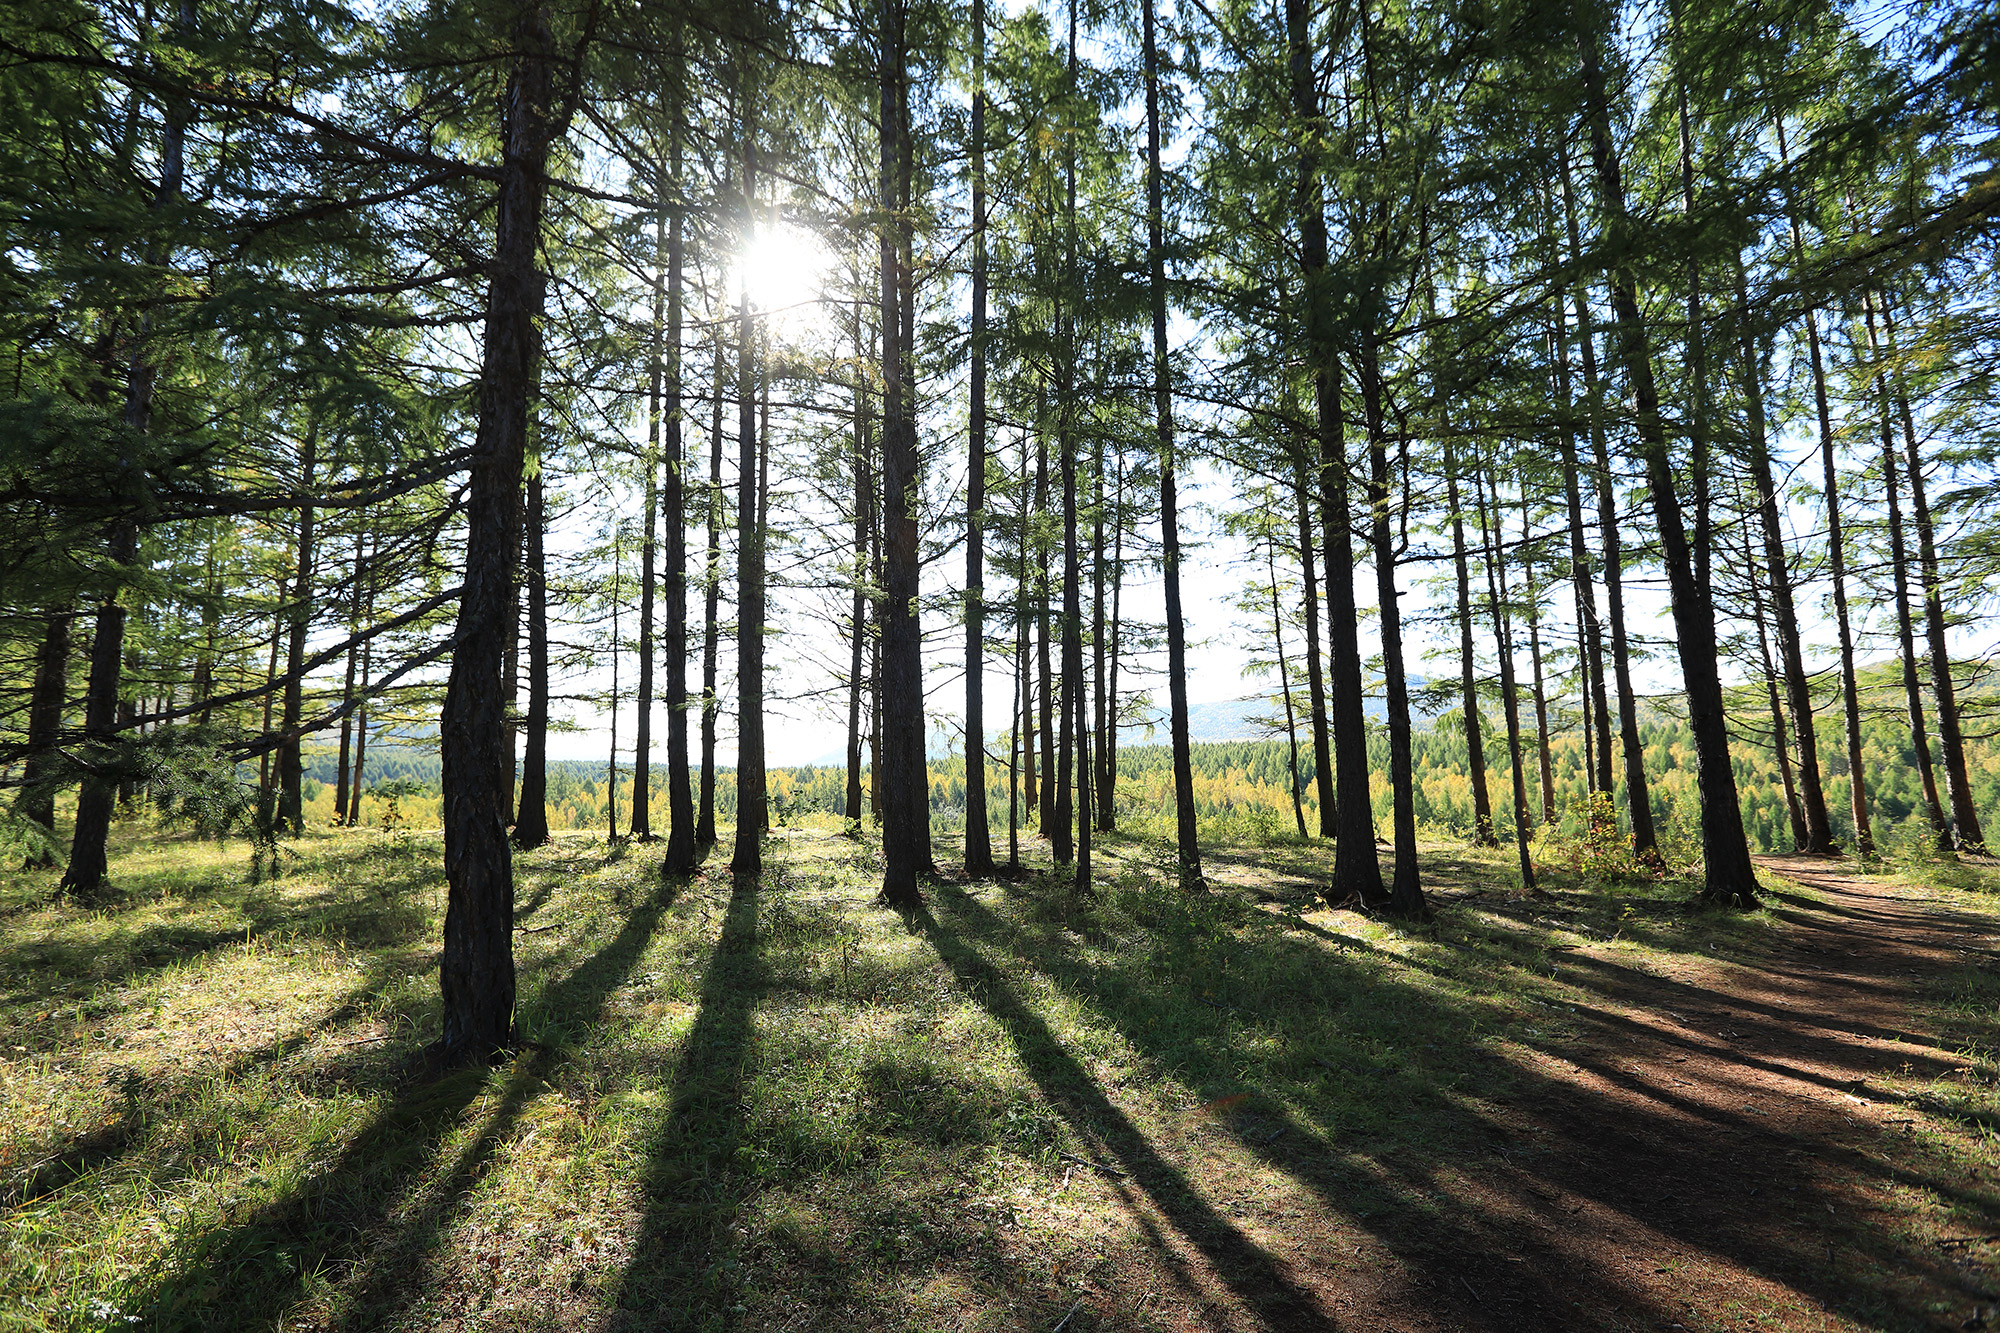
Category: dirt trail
[1719,1149]
[1703,1145]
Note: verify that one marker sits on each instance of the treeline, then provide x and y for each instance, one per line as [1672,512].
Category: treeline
[395,367]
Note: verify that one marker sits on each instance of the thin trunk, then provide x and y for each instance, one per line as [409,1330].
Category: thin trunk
[1503,641]
[1045,699]
[1780,744]
[358,782]
[1285,684]
[340,784]
[1817,835]
[298,615]
[1836,543]
[1406,894]
[642,731]
[1107,735]
[978,838]
[864,492]
[1534,603]
[1966,832]
[1638,800]
[1315,673]
[681,850]
[711,628]
[747,859]
[1468,677]
[531,817]
[1725,853]
[1187,849]
[42,772]
[1590,633]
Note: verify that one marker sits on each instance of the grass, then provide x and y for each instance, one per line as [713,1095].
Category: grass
[774,1106]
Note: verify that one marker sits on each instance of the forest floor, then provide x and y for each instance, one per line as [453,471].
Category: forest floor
[769,1105]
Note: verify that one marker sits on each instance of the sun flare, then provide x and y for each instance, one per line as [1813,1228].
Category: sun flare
[783,271]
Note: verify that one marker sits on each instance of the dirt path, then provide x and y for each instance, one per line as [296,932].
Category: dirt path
[1719,1148]
[1696,1144]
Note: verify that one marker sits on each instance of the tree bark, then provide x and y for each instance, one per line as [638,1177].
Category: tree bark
[1468,677]
[298,616]
[1544,767]
[747,858]
[1638,800]
[1356,873]
[1817,836]
[477,968]
[904,777]
[1503,640]
[1729,876]
[531,816]
[1966,832]
[978,838]
[1315,673]
[1597,707]
[711,629]
[42,771]
[681,843]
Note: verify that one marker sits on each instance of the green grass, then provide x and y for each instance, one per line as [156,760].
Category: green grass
[774,1105]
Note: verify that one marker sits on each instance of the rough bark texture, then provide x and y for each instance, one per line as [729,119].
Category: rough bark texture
[477,966]
[747,856]
[1315,670]
[904,778]
[298,617]
[711,631]
[1468,675]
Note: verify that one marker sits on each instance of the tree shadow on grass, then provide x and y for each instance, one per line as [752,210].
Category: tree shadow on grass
[370,1223]
[1580,1170]
[685,1271]
[1259,1279]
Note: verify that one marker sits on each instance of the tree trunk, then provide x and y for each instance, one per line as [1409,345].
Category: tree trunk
[1503,641]
[978,838]
[904,778]
[1730,878]
[1315,674]
[41,773]
[1533,594]
[864,500]
[611,763]
[340,784]
[1468,677]
[298,616]
[642,731]
[1638,800]
[711,628]
[1187,849]
[531,817]
[1406,894]
[1817,837]
[747,858]
[1356,873]
[477,969]
[357,781]
[681,850]
[1780,745]
[1285,684]
[1597,707]
[1966,832]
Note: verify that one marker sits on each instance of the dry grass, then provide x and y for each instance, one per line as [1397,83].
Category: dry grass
[774,1106]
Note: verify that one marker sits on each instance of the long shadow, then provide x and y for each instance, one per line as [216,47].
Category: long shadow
[1258,1278]
[684,1270]
[333,1226]
[1616,1161]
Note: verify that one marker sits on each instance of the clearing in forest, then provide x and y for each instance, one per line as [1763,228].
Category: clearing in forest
[771,1105]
